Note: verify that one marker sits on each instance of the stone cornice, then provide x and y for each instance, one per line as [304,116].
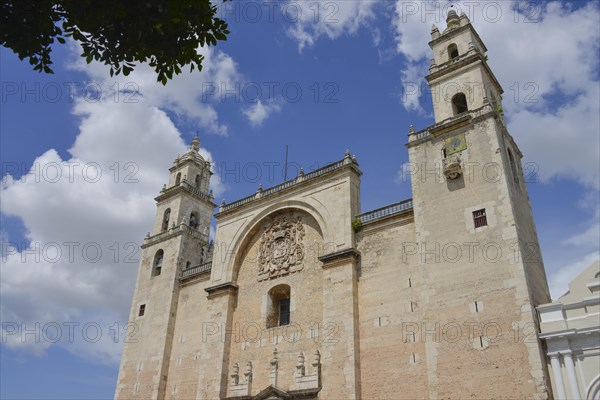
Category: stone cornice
[186,188]
[335,258]
[451,124]
[223,288]
[569,332]
[175,231]
[449,34]
[453,66]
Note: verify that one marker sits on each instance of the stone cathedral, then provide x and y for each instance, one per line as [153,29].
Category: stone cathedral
[302,295]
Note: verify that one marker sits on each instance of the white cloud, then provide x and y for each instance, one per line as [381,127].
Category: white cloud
[332,19]
[590,236]
[85,215]
[559,281]
[259,112]
[101,198]
[552,62]
[190,95]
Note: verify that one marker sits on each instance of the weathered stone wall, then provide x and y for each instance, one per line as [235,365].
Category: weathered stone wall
[391,361]
[251,339]
[473,277]
[190,325]
[145,357]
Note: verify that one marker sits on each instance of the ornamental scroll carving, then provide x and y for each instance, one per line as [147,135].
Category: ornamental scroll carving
[281,249]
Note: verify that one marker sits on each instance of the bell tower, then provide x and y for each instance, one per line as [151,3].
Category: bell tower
[459,76]
[179,241]
[476,242]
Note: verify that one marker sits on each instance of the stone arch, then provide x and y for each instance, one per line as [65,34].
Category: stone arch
[245,235]
[165,222]
[278,314]
[593,390]
[157,262]
[459,103]
[452,51]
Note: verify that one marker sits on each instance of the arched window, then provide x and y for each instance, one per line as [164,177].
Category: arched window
[452,52]
[193,220]
[459,103]
[278,307]
[513,167]
[198,180]
[178,179]
[165,221]
[157,263]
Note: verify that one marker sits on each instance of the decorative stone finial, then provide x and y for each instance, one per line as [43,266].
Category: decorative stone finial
[452,20]
[301,172]
[164,187]
[316,364]
[275,359]
[434,28]
[195,143]
[411,129]
[300,371]
[235,376]
[260,189]
[147,234]
[248,373]
[347,155]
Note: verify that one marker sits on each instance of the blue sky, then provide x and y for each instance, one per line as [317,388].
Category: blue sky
[351,62]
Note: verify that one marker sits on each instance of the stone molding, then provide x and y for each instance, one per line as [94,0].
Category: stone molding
[221,289]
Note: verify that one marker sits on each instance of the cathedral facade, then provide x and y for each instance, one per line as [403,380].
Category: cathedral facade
[302,295]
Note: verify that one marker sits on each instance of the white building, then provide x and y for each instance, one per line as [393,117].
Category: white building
[570,326]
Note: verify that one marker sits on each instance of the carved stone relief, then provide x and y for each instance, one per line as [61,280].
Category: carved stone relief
[281,248]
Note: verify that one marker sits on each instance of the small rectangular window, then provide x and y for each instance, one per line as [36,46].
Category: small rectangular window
[479,218]
[142,310]
[284,312]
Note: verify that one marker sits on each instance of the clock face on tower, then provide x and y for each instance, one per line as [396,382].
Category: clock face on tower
[455,144]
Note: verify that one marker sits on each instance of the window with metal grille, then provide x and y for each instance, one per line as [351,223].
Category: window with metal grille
[142,310]
[479,218]
[284,312]
[278,306]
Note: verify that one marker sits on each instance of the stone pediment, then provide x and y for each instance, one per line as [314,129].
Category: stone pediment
[272,393]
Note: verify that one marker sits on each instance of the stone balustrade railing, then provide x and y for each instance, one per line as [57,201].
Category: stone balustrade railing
[173,231]
[285,185]
[197,270]
[190,188]
[472,51]
[392,209]
[471,114]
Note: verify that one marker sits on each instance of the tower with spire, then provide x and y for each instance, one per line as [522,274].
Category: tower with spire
[177,245]
[476,239]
